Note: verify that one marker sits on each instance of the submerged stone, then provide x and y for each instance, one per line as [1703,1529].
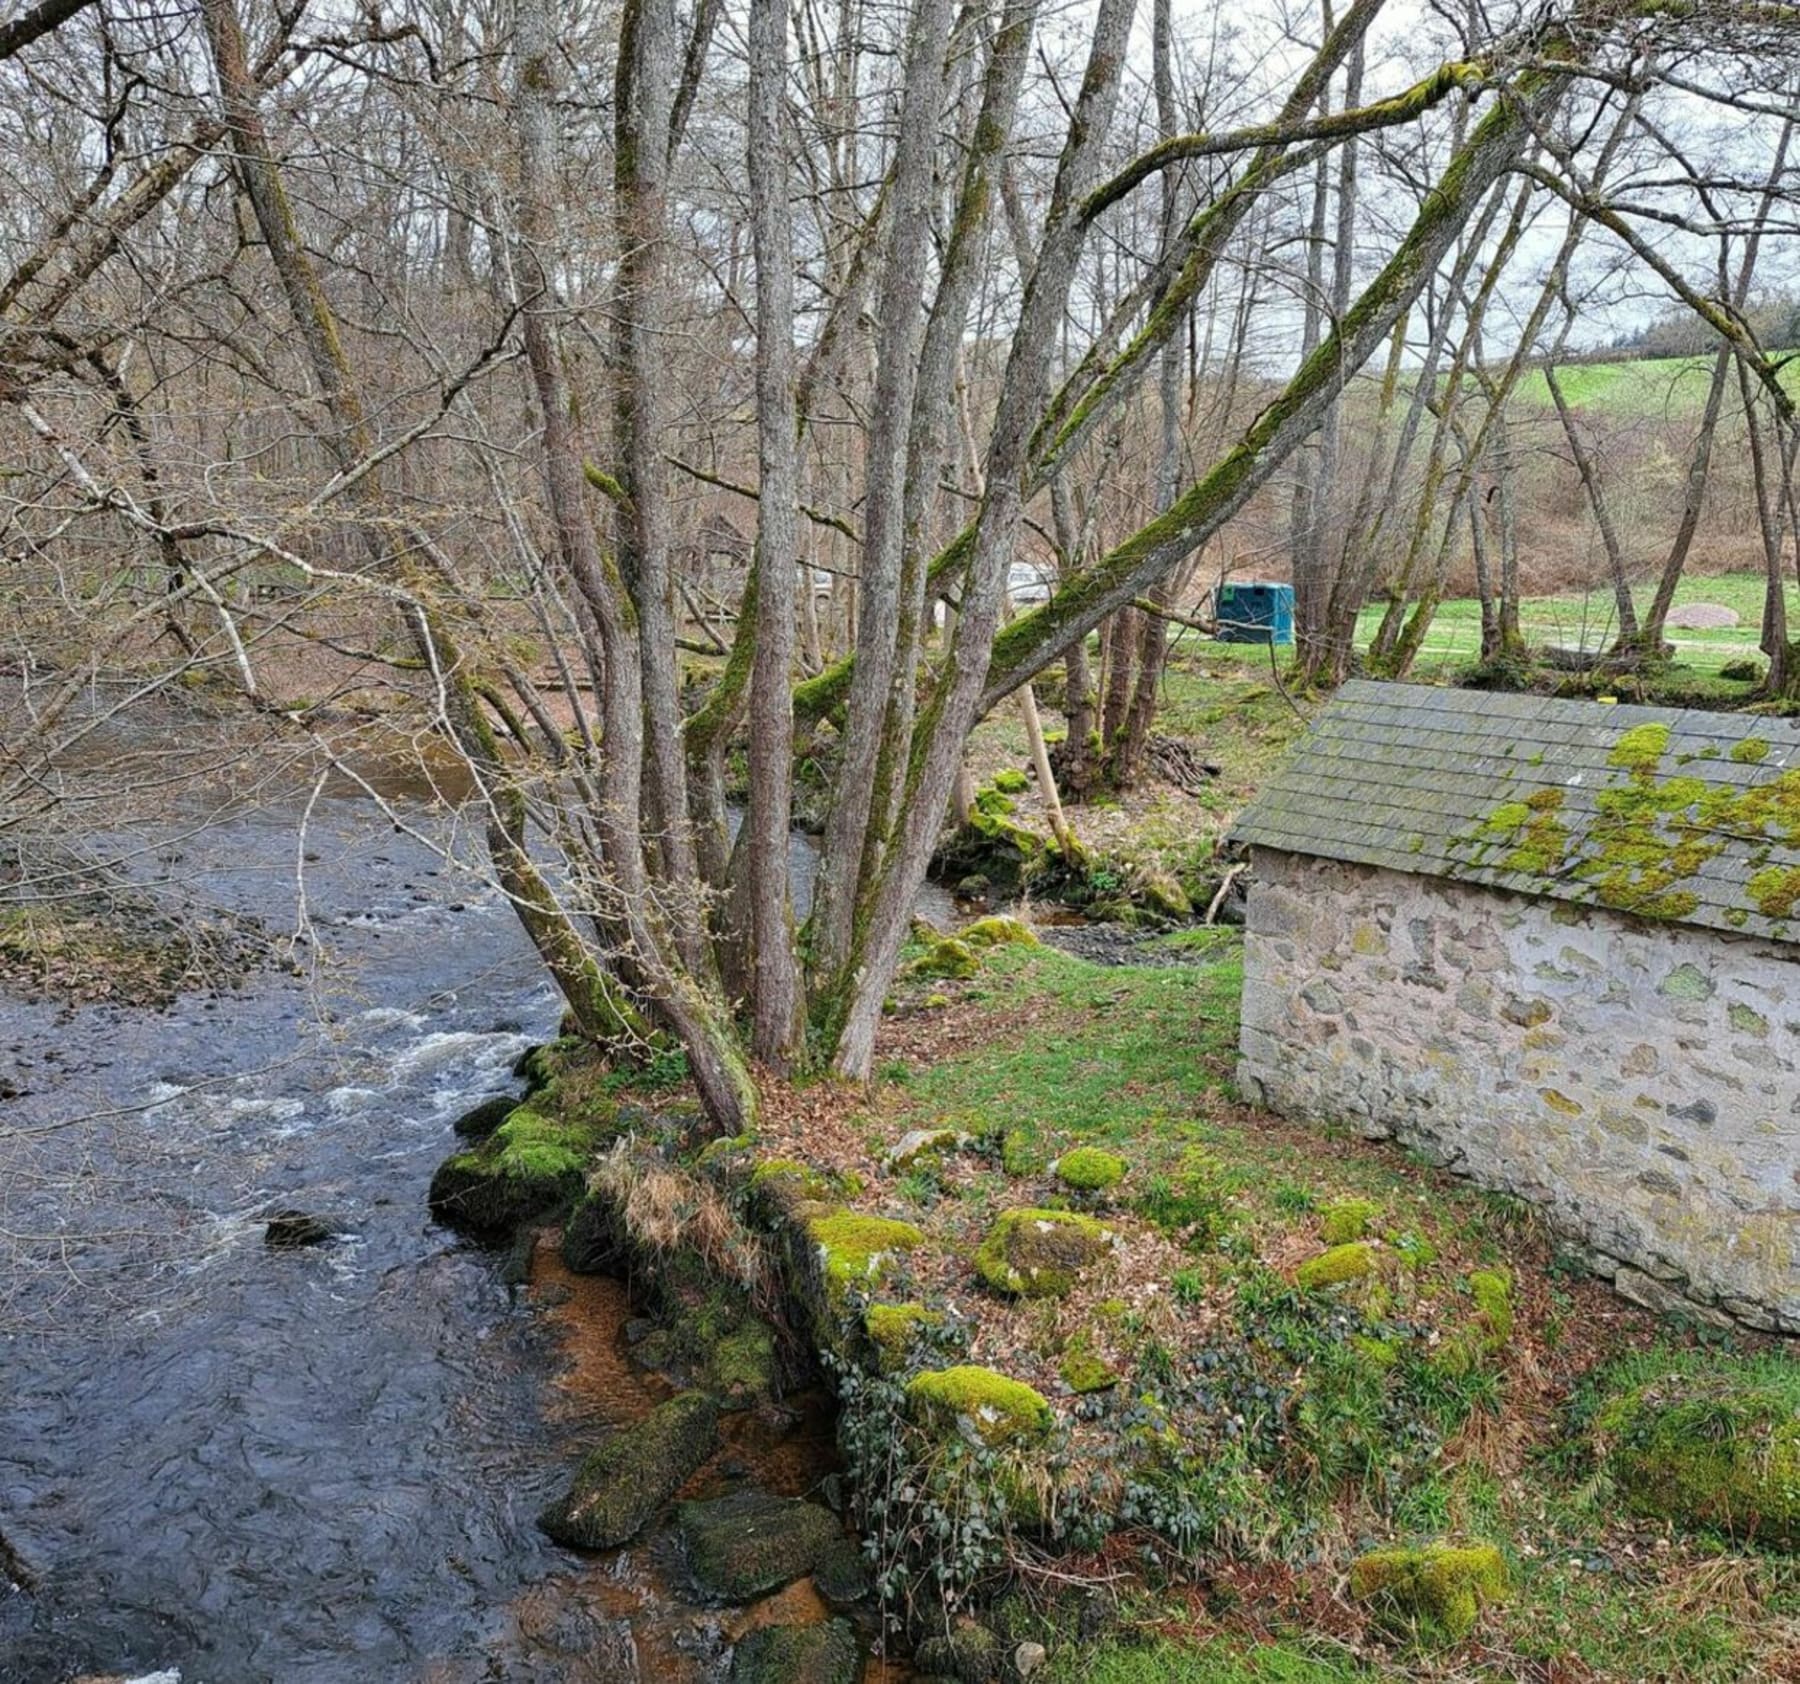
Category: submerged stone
[821,1654]
[291,1230]
[1039,1253]
[1441,1589]
[618,1489]
[749,1543]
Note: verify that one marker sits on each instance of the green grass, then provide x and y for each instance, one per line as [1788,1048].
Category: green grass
[1215,1662]
[1173,1029]
[1646,388]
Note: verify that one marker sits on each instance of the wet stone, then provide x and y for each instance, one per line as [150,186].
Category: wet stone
[479,1121]
[628,1479]
[819,1654]
[293,1230]
[749,1543]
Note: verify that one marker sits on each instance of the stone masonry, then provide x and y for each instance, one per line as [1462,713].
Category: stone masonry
[1639,1080]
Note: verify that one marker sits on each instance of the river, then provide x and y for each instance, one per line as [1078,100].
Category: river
[316,1466]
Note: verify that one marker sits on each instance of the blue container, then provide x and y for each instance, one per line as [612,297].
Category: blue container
[1256,613]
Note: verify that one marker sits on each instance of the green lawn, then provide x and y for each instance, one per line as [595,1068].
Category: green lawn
[1590,621]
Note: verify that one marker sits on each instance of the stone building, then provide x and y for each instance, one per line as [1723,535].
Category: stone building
[1553,946]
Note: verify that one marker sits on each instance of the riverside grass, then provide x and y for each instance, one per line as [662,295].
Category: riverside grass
[1499,1355]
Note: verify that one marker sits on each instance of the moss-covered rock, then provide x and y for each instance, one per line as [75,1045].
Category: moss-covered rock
[999,931]
[593,1242]
[479,1121]
[539,1066]
[1083,1372]
[621,1485]
[819,1654]
[968,1653]
[948,959]
[1440,1589]
[1160,895]
[531,1165]
[749,1543]
[1332,1268]
[778,1186]
[896,1329]
[741,1368]
[1088,1169]
[727,1150]
[1001,1410]
[856,1250]
[1040,1253]
[1720,1451]
[994,847]
[924,1146]
[1345,1220]
[1011,781]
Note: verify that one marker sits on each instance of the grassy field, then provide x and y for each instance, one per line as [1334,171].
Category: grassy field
[1646,388]
[1590,621]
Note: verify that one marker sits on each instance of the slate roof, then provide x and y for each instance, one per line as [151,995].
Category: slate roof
[1687,816]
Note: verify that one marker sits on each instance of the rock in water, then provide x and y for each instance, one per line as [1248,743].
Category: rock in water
[290,1230]
[749,1543]
[623,1483]
[825,1654]
[479,1121]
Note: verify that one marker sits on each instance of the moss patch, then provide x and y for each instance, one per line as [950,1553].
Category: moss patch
[1345,1220]
[1332,1268]
[1088,1169]
[896,1329]
[1440,1588]
[1640,749]
[1714,1446]
[1083,1372]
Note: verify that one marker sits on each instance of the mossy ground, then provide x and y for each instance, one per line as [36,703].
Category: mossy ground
[1260,1437]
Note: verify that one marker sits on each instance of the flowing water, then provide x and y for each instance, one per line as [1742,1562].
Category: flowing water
[319,1465]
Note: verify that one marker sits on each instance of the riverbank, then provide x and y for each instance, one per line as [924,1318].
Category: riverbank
[1138,1375]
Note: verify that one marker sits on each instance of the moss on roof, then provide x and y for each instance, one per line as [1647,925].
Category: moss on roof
[1685,816]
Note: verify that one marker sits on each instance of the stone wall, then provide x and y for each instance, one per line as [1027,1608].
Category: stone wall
[1639,1081]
